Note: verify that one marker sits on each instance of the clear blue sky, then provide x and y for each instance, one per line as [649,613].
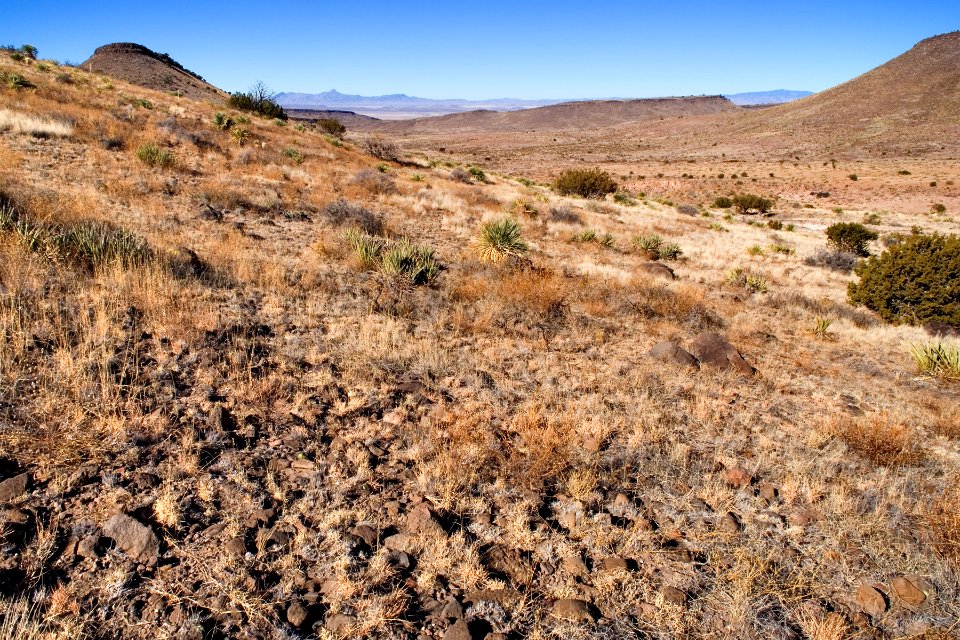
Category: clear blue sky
[497,48]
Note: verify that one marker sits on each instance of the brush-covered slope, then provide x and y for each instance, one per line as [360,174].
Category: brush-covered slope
[139,65]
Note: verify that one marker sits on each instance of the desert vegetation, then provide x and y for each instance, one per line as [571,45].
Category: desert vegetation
[257,384]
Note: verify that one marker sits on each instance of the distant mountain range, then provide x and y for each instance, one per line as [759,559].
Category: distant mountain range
[778,96]
[400,105]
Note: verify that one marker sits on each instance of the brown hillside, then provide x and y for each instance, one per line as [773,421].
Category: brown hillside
[910,104]
[141,66]
[568,115]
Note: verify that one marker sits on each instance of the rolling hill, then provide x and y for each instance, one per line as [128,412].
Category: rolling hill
[138,65]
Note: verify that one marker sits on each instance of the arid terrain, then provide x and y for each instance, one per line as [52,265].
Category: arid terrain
[229,409]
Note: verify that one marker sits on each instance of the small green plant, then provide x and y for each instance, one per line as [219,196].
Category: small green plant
[417,177]
[477,173]
[152,155]
[850,237]
[938,207]
[337,142]
[279,122]
[294,154]
[500,241]
[587,235]
[776,225]
[821,328]
[755,250]
[222,121]
[937,359]
[42,67]
[649,245]
[522,207]
[752,282]
[15,81]
[383,167]
[366,248]
[781,248]
[586,183]
[716,226]
[143,103]
[903,172]
[871,218]
[624,198]
[240,135]
[790,227]
[670,251]
[410,263]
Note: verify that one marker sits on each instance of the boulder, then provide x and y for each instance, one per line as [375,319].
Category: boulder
[13,488]
[871,601]
[573,610]
[135,539]
[671,352]
[713,350]
[657,270]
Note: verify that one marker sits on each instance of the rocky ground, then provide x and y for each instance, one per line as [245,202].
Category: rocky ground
[254,436]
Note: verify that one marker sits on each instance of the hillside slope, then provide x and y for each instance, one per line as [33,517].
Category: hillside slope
[568,115]
[139,65]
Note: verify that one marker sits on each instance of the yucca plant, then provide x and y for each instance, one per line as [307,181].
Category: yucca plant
[649,244]
[670,251]
[937,359]
[366,248]
[222,121]
[408,262]
[587,235]
[752,282]
[240,135]
[500,241]
[94,244]
[821,327]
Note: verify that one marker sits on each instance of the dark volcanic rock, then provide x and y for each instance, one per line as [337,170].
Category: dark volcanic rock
[713,350]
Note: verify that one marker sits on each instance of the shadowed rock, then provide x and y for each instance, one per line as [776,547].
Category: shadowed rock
[713,350]
[668,351]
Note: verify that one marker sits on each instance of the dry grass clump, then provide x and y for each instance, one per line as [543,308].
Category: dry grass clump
[941,520]
[348,214]
[375,182]
[381,147]
[32,125]
[880,439]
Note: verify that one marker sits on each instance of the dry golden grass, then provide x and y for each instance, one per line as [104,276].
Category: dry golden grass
[880,440]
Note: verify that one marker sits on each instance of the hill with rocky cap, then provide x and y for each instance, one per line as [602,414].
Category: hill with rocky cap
[139,65]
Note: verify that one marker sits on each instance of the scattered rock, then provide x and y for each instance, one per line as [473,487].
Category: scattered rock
[767,491]
[737,477]
[13,488]
[614,563]
[136,540]
[729,523]
[399,542]
[366,533]
[509,562]
[575,566]
[452,609]
[911,591]
[236,546]
[672,352]
[657,270]
[340,624]
[871,600]
[297,614]
[421,520]
[458,631]
[713,350]
[672,595]
[209,213]
[573,610]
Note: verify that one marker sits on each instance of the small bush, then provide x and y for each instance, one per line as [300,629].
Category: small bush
[500,241]
[152,155]
[375,182]
[851,237]
[938,207]
[821,327]
[408,262]
[478,174]
[461,175]
[748,202]
[937,359]
[670,251]
[381,147]
[649,245]
[222,121]
[15,81]
[841,261]
[881,441]
[688,209]
[627,200]
[347,214]
[915,281]
[294,154]
[331,127]
[853,177]
[586,183]
[752,282]
[522,207]
[240,135]
[755,250]
[776,225]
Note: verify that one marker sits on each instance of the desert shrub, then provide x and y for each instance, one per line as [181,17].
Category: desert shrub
[240,135]
[347,214]
[587,183]
[522,207]
[903,172]
[331,127]
[722,202]
[257,101]
[649,245]
[412,263]
[688,209]
[940,518]
[501,241]
[853,177]
[937,359]
[293,154]
[624,198]
[375,182]
[380,147]
[29,51]
[755,250]
[938,207]
[851,237]
[366,248]
[916,281]
[872,218]
[821,327]
[15,81]
[834,260]
[591,236]
[670,251]
[753,282]
[749,202]
[776,225]
[477,173]
[779,247]
[564,214]
[152,155]
[461,175]
[222,121]
[880,440]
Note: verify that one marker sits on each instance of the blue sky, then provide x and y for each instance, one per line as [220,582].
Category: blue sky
[495,48]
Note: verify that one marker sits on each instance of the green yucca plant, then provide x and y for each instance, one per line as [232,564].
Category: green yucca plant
[649,244]
[587,235]
[406,261]
[752,282]
[222,121]
[937,359]
[366,248]
[94,244]
[670,251]
[821,327]
[240,135]
[500,241]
